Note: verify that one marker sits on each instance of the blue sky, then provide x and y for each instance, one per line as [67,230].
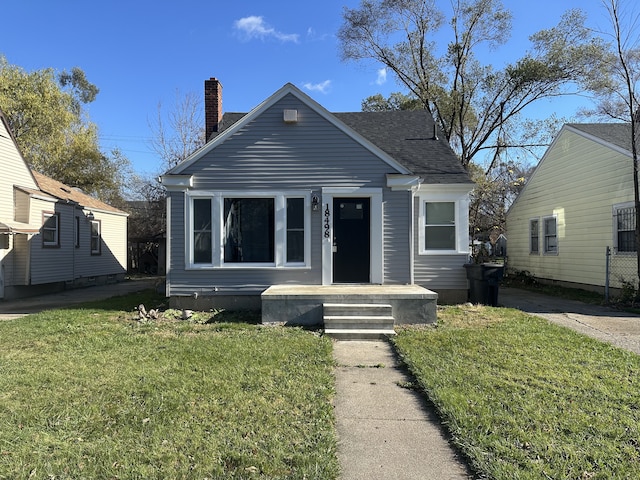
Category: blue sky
[141,52]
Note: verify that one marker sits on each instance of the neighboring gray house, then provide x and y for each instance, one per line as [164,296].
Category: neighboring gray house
[292,194]
[53,236]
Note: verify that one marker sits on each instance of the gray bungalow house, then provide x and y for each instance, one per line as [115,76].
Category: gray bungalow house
[291,195]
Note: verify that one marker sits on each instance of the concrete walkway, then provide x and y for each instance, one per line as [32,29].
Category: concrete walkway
[619,328]
[25,306]
[386,430]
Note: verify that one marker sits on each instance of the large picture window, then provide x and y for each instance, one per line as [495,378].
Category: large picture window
[440,226]
[249,230]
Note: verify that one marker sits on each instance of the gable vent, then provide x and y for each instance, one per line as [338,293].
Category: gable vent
[290,116]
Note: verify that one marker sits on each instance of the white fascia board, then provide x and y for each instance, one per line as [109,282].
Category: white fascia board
[403,182]
[446,189]
[288,88]
[177,182]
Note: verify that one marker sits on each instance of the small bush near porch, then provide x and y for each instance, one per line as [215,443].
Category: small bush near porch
[95,393]
[527,399]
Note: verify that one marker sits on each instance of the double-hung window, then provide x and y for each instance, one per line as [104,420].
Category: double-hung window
[625,228]
[439,226]
[245,229]
[202,233]
[443,214]
[534,236]
[550,235]
[51,230]
[96,242]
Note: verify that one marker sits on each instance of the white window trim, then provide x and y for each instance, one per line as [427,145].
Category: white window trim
[461,209]
[217,237]
[531,252]
[614,213]
[376,265]
[544,236]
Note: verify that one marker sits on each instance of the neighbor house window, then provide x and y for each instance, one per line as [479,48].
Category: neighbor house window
[95,237]
[51,230]
[202,230]
[249,230]
[440,226]
[252,229]
[550,235]
[534,236]
[625,229]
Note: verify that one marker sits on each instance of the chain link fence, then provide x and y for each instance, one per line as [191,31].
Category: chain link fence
[621,274]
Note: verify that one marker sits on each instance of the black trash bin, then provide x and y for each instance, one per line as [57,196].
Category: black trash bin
[484,281]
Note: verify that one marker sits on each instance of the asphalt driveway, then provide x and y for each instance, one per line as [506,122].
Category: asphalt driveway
[607,324]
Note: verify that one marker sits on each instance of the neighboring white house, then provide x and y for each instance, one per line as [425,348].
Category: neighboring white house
[578,202]
[53,236]
[290,193]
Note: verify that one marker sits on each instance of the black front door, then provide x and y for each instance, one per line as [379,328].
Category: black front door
[351,240]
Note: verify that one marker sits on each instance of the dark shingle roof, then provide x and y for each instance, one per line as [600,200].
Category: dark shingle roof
[618,134]
[405,135]
[408,137]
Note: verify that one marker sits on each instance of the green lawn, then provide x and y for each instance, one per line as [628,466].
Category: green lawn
[93,393]
[526,399]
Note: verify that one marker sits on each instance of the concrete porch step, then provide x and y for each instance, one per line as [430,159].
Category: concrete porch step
[357,334]
[371,309]
[357,321]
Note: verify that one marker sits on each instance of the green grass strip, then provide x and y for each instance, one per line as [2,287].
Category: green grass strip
[92,393]
[526,399]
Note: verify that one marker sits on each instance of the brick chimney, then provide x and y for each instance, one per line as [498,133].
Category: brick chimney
[212,106]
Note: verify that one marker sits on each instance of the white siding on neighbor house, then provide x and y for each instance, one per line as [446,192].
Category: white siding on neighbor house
[578,181]
[269,155]
[14,172]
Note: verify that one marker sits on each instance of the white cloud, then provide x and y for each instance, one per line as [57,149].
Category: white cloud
[254,27]
[382,76]
[322,87]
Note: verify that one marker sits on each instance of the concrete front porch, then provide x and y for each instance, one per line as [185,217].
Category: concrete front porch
[305,304]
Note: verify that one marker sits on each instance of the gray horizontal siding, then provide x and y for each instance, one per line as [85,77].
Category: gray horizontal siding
[437,272]
[53,264]
[267,153]
[396,214]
